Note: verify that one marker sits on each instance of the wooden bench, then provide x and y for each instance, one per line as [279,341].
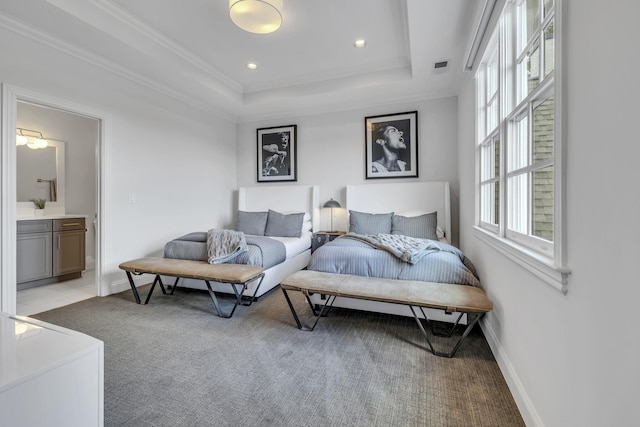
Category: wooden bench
[415,294]
[236,275]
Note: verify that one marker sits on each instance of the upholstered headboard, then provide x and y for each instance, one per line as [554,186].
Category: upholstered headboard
[282,198]
[403,197]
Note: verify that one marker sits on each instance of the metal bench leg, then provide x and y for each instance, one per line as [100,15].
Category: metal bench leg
[164,291]
[133,288]
[175,285]
[136,295]
[315,309]
[442,331]
[322,312]
[470,326]
[253,297]
[157,280]
[217,304]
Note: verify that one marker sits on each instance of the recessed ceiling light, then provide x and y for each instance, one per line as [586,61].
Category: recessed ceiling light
[252,66]
[360,43]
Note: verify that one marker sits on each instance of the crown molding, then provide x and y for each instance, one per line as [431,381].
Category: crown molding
[322,77]
[38,36]
[132,21]
[349,103]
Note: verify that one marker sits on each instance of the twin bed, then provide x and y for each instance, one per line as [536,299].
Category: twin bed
[420,209]
[286,200]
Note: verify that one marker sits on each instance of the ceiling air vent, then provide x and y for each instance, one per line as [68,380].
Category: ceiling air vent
[441,64]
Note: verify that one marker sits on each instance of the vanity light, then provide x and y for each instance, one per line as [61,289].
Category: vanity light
[360,43]
[31,141]
[20,138]
[40,143]
[256,16]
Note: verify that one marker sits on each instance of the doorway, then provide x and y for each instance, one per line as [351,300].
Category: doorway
[73,172]
[82,133]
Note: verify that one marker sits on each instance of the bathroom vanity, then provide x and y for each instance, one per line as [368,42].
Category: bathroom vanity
[49,250]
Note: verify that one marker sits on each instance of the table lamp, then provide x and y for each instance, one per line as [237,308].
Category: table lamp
[331,204]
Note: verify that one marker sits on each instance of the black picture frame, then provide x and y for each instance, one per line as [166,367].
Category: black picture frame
[389,156]
[277,153]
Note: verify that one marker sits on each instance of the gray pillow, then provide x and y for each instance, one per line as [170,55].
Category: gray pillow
[366,223]
[280,225]
[421,227]
[253,223]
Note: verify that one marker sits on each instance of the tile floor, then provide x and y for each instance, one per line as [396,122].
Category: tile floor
[43,298]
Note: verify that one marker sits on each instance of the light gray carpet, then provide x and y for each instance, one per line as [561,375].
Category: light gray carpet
[173,363]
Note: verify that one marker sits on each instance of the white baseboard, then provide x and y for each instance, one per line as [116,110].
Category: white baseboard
[527,410]
[123,284]
[90,263]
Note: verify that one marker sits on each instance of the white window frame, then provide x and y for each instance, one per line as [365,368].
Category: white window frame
[545,259]
[486,136]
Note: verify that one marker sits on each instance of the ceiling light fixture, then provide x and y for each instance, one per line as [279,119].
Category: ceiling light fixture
[256,16]
[30,141]
[252,66]
[360,43]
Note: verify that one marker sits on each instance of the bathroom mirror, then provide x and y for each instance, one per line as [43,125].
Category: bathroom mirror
[40,174]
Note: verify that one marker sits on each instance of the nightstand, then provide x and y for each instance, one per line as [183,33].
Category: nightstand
[322,237]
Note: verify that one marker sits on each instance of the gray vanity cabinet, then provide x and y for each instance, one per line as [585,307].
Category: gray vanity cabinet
[50,250]
[34,251]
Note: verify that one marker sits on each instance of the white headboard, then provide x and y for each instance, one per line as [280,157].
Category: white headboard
[301,198]
[403,197]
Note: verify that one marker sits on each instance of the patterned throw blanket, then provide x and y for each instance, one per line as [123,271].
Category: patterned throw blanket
[405,248]
[222,245]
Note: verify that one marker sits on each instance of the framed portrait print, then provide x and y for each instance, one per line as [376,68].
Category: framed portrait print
[391,146]
[277,154]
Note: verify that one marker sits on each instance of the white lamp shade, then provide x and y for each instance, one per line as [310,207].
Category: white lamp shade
[21,139]
[256,16]
[41,143]
[38,143]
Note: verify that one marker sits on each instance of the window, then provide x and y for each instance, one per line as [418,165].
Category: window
[518,139]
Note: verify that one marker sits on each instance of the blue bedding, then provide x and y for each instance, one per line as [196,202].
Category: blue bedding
[263,251]
[439,262]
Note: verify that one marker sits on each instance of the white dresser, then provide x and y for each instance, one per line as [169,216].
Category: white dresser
[49,375]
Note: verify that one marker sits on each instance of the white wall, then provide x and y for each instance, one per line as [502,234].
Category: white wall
[331,150]
[572,359]
[178,161]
